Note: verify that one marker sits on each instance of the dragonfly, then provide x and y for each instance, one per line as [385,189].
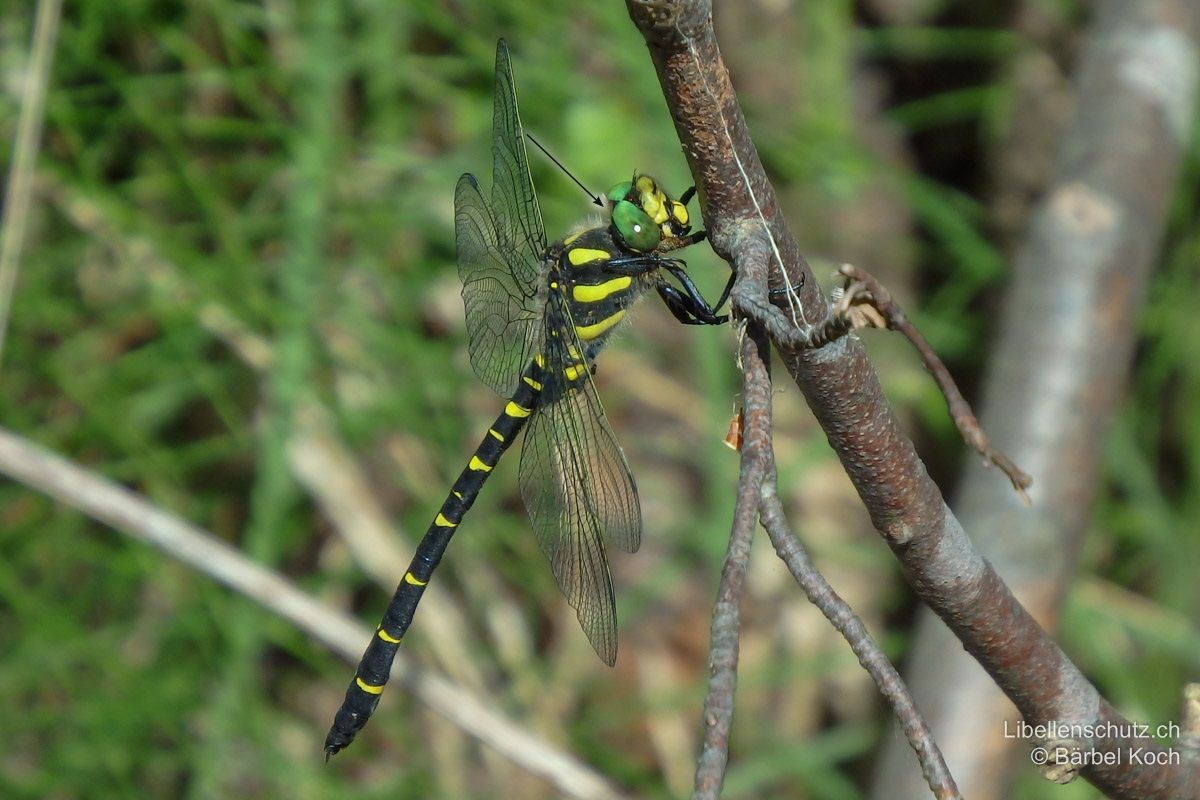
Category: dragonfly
[538,314]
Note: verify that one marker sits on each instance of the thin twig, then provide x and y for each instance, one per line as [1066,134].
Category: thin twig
[723,654]
[20,178]
[131,514]
[865,302]
[873,660]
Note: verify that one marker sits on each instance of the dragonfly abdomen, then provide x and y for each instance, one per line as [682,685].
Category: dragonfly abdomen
[373,671]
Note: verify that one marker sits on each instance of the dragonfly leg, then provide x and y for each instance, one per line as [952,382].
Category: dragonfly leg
[697,307]
[632,266]
[678,304]
[687,308]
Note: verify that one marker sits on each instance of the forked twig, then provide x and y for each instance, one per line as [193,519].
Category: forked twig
[814,585]
[864,302]
[843,618]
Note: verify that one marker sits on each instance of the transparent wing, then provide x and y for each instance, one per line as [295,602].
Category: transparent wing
[500,246]
[503,312]
[576,484]
[514,205]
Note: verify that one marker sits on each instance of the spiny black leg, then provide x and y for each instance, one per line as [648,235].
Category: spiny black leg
[687,196]
[698,305]
[697,311]
[682,307]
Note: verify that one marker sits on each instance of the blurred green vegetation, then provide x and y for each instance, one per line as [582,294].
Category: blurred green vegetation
[220,173]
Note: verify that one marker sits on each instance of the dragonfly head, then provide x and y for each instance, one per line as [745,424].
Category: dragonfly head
[643,214]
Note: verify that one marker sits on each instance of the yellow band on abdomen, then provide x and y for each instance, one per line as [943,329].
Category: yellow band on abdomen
[514,410]
[387,637]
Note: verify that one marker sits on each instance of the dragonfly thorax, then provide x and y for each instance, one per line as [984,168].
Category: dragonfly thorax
[598,279]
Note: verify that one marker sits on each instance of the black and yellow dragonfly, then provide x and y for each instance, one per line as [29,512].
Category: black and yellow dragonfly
[537,316]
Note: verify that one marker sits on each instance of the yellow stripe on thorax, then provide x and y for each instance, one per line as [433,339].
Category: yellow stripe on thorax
[594,293]
[589,332]
[537,387]
[586,255]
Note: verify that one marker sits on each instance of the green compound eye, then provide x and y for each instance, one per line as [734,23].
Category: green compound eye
[635,227]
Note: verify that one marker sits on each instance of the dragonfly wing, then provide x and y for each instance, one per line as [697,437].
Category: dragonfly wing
[500,248]
[577,486]
[503,312]
[519,228]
